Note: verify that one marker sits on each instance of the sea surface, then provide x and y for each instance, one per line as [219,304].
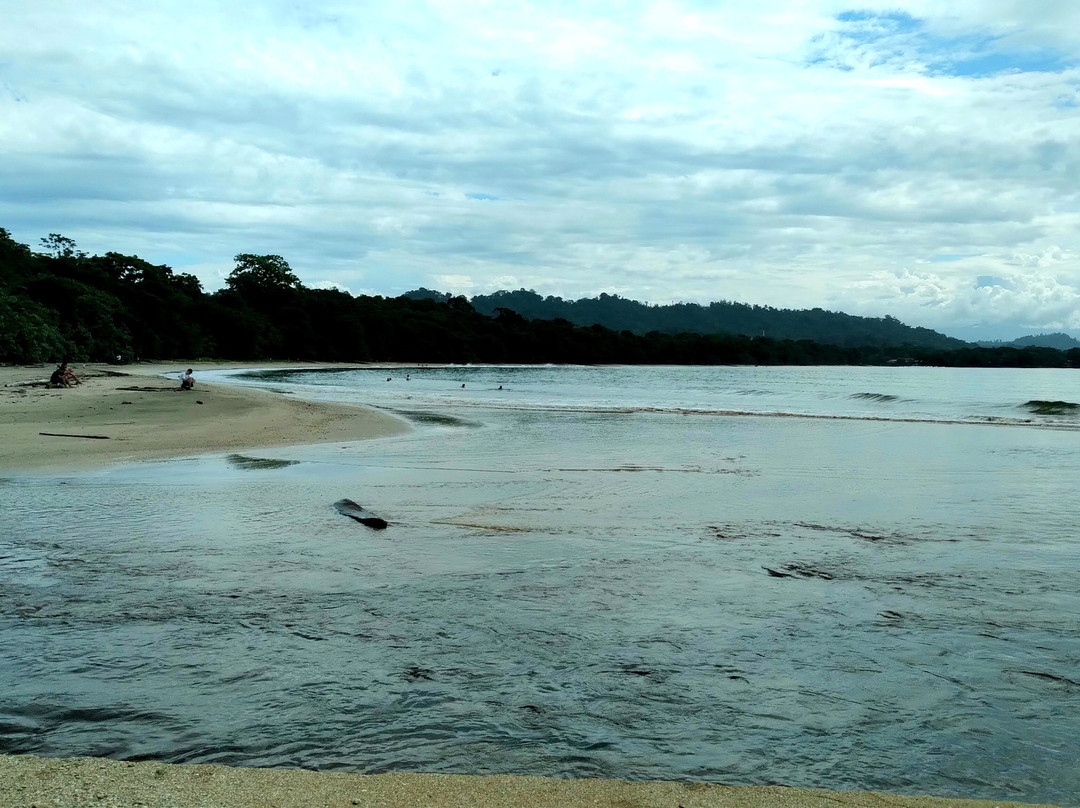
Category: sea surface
[851,578]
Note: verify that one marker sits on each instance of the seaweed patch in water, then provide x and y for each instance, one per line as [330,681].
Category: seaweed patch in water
[1040,407]
[249,463]
[799,571]
[874,396]
[414,673]
[1050,677]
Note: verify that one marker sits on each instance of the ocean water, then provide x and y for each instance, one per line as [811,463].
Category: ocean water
[832,577]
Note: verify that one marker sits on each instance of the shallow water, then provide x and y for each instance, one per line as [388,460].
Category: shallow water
[571,587]
[1044,396]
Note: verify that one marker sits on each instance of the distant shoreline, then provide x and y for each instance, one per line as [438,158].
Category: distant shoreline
[135,412]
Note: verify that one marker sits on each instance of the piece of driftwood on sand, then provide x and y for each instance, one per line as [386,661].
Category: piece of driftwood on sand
[65,435]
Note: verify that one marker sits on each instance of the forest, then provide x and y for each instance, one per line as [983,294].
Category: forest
[60,303]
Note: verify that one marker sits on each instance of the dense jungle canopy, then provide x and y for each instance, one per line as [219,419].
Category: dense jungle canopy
[60,303]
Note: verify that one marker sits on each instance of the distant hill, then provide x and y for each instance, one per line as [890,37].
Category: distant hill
[620,314]
[1062,342]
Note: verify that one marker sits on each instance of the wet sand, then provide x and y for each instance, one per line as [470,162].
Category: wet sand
[126,413]
[27,781]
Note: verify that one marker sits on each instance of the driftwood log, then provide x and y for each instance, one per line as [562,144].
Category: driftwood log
[346,507]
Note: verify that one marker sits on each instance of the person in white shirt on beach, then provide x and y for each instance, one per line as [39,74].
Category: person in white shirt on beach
[187,381]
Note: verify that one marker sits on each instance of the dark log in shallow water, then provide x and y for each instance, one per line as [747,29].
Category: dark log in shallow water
[65,435]
[346,507]
[777,573]
[799,571]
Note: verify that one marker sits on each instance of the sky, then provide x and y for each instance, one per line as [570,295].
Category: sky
[917,159]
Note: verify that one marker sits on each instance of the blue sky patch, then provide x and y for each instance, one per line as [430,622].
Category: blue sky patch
[876,39]
[989,281]
[893,21]
[982,61]
[482,197]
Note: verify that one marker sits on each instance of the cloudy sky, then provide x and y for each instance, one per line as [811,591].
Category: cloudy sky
[919,159]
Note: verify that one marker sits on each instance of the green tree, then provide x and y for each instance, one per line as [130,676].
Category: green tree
[61,247]
[261,273]
[16,261]
[28,331]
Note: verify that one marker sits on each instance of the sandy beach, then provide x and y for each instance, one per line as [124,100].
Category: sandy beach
[132,412]
[32,781]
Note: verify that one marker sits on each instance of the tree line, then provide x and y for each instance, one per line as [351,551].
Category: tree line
[59,303]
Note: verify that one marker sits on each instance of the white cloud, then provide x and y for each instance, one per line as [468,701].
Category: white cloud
[791,153]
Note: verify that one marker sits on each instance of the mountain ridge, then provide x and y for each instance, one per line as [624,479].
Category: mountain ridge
[1056,339]
[721,317]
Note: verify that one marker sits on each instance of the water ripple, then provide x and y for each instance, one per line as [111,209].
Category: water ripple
[581,596]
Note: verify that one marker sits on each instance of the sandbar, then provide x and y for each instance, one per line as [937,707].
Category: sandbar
[26,780]
[132,412]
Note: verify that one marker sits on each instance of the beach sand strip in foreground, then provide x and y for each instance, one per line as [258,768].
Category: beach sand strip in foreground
[27,781]
[132,413]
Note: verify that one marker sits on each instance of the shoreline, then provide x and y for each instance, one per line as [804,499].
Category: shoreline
[131,413]
[26,780]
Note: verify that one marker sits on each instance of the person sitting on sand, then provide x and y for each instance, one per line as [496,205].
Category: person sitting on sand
[63,376]
[187,381]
